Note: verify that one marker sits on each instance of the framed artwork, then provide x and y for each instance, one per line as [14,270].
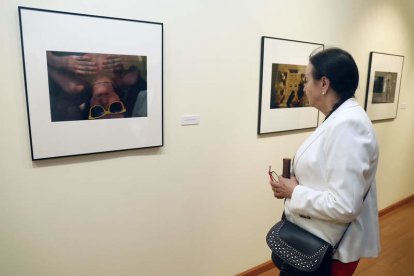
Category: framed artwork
[383,88]
[283,104]
[93,83]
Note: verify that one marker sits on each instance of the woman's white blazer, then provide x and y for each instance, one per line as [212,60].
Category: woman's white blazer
[335,167]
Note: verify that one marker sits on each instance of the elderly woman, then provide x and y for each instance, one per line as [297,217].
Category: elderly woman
[335,167]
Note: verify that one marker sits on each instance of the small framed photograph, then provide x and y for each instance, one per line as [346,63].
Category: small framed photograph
[383,88]
[93,83]
[283,104]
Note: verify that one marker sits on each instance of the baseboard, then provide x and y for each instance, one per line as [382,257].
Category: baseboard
[396,205]
[257,270]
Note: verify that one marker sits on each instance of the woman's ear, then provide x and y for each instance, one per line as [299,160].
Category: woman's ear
[325,83]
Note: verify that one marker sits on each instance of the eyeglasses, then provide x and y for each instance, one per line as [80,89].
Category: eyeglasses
[98,111]
[272,174]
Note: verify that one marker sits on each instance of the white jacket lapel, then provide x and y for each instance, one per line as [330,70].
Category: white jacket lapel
[320,130]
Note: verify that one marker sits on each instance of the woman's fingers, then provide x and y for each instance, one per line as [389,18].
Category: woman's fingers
[276,188]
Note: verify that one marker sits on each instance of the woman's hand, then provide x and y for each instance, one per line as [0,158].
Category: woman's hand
[283,187]
[112,63]
[80,65]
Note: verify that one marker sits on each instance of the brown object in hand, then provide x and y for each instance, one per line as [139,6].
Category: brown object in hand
[286,168]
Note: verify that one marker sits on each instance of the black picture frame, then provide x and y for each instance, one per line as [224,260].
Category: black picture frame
[383,85]
[282,103]
[112,100]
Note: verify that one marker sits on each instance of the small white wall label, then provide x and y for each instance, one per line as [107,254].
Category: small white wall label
[190,120]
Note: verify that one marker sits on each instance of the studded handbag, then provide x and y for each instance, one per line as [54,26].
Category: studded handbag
[296,251]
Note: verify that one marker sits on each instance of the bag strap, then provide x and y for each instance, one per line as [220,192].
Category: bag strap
[349,224]
[343,235]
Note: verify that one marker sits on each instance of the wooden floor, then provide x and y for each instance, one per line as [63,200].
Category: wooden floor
[397,246]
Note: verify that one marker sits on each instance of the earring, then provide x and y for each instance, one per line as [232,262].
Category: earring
[323,92]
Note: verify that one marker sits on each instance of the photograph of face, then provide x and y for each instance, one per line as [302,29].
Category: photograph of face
[91,86]
[287,86]
[384,87]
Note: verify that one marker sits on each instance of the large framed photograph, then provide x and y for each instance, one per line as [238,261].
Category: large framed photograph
[93,83]
[283,104]
[383,88]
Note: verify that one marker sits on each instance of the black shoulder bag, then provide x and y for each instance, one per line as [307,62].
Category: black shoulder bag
[296,251]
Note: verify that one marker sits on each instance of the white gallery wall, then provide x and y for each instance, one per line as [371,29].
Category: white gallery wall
[200,205]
